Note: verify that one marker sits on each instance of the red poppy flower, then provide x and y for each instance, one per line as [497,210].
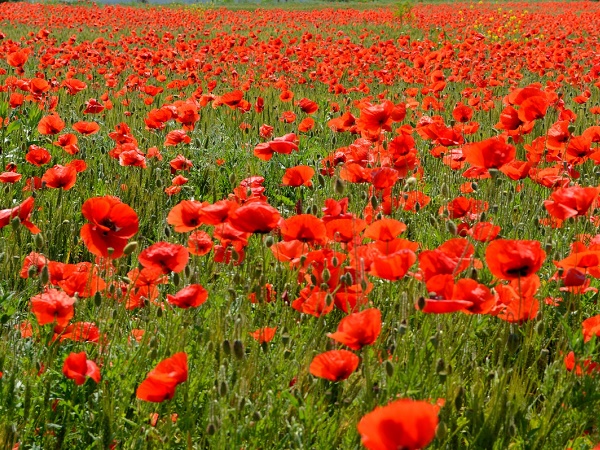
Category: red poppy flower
[484,231]
[73,85]
[385,230]
[374,118]
[190,296]
[298,176]
[591,328]
[199,243]
[570,201]
[22,212]
[63,177]
[263,335]
[307,124]
[403,424]
[51,124]
[79,332]
[255,217]
[86,128]
[490,153]
[112,224]
[161,382]
[186,215]
[176,137]
[77,367]
[307,106]
[37,156]
[305,228]
[334,365]
[53,305]
[17,59]
[358,329]
[165,256]
[512,259]
[10,177]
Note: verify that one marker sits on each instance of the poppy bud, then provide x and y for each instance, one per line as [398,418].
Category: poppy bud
[326,275]
[494,173]
[445,190]
[39,241]
[513,342]
[571,129]
[223,388]
[440,366]
[459,398]
[45,275]
[389,368]
[435,340]
[334,261]
[211,429]
[130,248]
[167,232]
[238,349]
[421,303]
[176,279]
[321,180]
[442,431]
[374,202]
[159,312]
[339,186]
[324,286]
[543,358]
[227,347]
[451,227]
[474,186]
[403,327]
[232,178]
[110,251]
[158,182]
[15,222]
[286,354]
[32,271]
[97,298]
[269,241]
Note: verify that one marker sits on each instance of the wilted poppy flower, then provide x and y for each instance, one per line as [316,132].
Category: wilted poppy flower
[112,223]
[53,305]
[190,296]
[512,259]
[77,367]
[358,329]
[161,382]
[334,365]
[165,256]
[402,424]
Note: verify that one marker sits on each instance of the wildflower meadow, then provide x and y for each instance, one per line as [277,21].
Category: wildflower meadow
[281,227]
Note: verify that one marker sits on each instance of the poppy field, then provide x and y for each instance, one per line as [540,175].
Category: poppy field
[327,229]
